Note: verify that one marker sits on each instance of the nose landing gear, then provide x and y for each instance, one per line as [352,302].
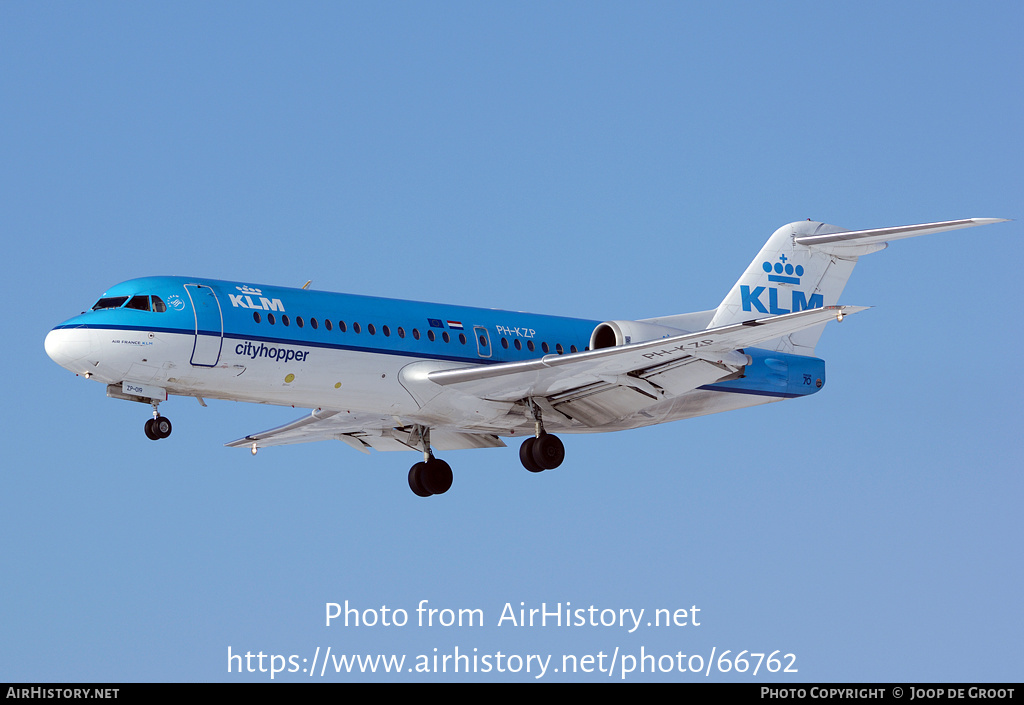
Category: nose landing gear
[157,427]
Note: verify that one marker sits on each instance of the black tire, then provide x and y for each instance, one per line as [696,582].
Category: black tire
[548,451]
[526,456]
[150,434]
[437,477]
[161,427]
[416,480]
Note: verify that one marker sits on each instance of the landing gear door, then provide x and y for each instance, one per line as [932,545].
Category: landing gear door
[209,325]
[483,341]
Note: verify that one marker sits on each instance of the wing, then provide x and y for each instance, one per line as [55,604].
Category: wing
[698,358]
[362,432]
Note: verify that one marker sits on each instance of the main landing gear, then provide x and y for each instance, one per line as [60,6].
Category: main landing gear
[544,451]
[432,476]
[159,426]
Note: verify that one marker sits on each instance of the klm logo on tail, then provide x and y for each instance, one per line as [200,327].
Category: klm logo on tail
[782,272]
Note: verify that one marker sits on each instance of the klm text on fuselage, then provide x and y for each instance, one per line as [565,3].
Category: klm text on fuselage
[245,301]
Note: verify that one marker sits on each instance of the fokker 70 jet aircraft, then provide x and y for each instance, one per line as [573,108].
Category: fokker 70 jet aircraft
[404,375]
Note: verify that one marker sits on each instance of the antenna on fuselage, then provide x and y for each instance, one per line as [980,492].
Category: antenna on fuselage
[306,285]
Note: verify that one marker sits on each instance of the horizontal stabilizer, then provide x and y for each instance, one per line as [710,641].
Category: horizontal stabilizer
[877,235]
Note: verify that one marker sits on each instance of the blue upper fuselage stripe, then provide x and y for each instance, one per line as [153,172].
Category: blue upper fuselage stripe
[239,301]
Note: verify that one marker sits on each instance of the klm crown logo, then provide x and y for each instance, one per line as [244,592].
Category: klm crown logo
[783,267]
[781,272]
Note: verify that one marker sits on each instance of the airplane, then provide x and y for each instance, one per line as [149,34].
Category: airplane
[389,374]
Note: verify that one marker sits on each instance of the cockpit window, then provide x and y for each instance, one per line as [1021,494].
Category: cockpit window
[139,303]
[109,302]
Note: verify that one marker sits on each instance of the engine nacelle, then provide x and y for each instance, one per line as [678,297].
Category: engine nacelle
[612,333]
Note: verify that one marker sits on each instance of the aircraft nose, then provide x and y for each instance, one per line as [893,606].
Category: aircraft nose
[67,347]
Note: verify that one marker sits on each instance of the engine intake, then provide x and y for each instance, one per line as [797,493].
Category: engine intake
[613,333]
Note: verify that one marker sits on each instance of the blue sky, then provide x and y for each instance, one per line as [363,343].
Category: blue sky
[602,160]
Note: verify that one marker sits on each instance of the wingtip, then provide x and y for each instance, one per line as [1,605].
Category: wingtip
[988,221]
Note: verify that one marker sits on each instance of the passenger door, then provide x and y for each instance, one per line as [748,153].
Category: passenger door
[209,325]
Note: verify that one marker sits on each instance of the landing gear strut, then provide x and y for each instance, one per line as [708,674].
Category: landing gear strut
[432,476]
[543,452]
[159,426]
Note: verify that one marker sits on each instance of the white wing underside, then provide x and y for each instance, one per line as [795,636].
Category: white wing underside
[363,431]
[585,390]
